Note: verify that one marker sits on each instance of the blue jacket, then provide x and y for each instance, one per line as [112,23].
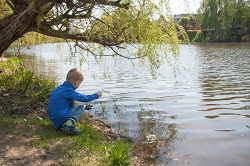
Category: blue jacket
[62,100]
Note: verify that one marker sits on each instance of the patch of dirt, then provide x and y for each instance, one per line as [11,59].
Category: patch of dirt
[16,150]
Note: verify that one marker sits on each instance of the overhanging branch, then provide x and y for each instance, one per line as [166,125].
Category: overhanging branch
[106,55]
[82,46]
[79,37]
[110,3]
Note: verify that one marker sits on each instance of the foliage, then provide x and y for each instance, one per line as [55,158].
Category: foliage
[23,88]
[112,25]
[199,36]
[193,20]
[196,36]
[188,21]
[225,18]
[5,10]
[184,21]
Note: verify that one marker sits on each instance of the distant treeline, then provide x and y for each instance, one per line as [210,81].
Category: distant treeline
[206,36]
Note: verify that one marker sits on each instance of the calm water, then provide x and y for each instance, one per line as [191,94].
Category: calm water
[198,111]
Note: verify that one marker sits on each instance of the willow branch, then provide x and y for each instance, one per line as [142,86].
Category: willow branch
[106,55]
[10,5]
[81,37]
[110,3]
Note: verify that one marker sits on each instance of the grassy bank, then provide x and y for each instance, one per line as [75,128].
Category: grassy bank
[22,91]
[26,128]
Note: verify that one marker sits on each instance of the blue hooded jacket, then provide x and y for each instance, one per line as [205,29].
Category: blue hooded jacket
[62,100]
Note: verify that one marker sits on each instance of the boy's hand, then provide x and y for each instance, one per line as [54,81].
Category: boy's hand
[88,107]
[99,93]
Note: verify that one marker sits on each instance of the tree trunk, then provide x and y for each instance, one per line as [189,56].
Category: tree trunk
[18,24]
[17,28]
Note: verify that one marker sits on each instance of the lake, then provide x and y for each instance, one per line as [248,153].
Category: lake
[197,111]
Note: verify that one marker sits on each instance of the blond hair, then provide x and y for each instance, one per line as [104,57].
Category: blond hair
[74,75]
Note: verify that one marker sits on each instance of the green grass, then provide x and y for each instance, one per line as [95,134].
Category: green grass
[7,124]
[116,154]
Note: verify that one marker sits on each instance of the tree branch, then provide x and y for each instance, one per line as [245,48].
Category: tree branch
[115,52]
[81,37]
[6,21]
[82,46]
[110,3]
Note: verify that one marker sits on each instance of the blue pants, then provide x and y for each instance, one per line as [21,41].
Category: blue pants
[76,113]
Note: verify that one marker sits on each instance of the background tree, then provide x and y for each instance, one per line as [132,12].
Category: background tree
[188,21]
[192,20]
[184,21]
[225,18]
[111,24]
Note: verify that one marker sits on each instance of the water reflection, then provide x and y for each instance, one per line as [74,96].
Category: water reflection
[199,116]
[225,77]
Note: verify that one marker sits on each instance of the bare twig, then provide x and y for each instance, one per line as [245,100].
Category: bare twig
[113,100]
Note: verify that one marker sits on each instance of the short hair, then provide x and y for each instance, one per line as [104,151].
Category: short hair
[74,75]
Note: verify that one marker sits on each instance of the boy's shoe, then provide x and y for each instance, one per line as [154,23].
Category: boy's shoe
[70,129]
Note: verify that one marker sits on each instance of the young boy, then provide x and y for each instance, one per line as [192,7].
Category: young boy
[61,109]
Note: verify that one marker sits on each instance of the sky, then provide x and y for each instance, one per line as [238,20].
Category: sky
[184,6]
